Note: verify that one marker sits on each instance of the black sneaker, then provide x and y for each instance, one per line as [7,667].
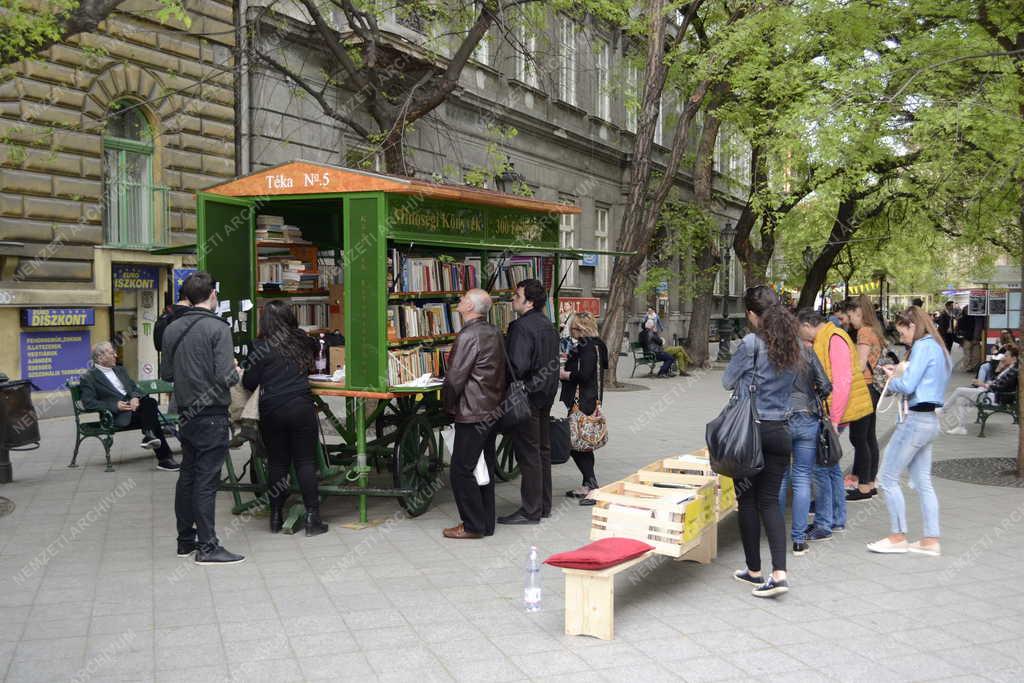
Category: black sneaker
[800,549]
[858,495]
[168,465]
[771,588]
[217,555]
[819,534]
[186,548]
[149,441]
[743,576]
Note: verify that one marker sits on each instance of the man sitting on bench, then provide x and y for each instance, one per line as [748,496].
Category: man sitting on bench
[107,386]
[653,344]
[965,398]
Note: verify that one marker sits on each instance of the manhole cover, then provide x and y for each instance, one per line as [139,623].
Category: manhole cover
[6,506]
[984,471]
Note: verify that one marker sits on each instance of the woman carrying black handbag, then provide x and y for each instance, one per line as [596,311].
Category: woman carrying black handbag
[767,361]
[581,386]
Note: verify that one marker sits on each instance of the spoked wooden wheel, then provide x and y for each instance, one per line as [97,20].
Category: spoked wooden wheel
[417,464]
[508,468]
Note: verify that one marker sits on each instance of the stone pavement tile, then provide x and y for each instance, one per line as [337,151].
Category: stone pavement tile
[820,653]
[268,670]
[59,628]
[1010,648]
[197,645]
[301,608]
[978,660]
[314,642]
[172,618]
[6,654]
[689,624]
[446,630]
[294,626]
[347,667]
[723,643]
[498,670]
[798,676]
[138,621]
[112,607]
[374,618]
[654,629]
[923,666]
[701,669]
[612,655]
[37,670]
[671,648]
[396,637]
[503,624]
[417,598]
[246,610]
[436,674]
[548,664]
[526,643]
[929,639]
[760,663]
[237,631]
[467,649]
[270,646]
[410,659]
[433,613]
[199,674]
[51,648]
[646,672]
[116,644]
[359,602]
[128,666]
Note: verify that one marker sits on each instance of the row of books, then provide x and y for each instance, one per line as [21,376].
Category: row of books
[426,320]
[331,270]
[288,274]
[405,365]
[425,274]
[311,315]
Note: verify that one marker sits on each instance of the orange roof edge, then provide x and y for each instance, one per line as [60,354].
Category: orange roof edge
[307,177]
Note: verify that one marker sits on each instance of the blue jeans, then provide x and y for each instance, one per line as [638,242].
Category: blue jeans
[803,428]
[910,448]
[830,498]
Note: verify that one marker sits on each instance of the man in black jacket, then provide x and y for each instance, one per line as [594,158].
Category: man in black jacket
[474,385]
[169,316]
[958,406]
[107,386]
[946,323]
[533,351]
[198,358]
[653,345]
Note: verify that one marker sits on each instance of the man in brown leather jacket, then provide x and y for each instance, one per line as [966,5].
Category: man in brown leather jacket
[474,386]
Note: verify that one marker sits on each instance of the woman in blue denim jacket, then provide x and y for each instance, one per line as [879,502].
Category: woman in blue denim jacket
[910,448]
[768,358]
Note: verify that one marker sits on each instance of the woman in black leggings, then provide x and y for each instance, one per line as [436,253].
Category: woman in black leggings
[279,365]
[767,358]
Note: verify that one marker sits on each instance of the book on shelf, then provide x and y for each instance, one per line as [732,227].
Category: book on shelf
[501,315]
[425,320]
[271,228]
[311,315]
[405,365]
[289,273]
[426,274]
[330,269]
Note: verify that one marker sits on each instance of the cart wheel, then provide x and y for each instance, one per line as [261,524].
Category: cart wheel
[508,468]
[417,464]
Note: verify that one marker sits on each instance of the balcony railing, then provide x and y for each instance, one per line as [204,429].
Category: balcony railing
[137,216]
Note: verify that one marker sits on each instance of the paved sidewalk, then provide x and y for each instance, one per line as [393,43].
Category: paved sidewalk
[90,588]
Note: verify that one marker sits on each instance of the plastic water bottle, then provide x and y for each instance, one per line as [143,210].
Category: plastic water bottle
[321,356]
[532,591]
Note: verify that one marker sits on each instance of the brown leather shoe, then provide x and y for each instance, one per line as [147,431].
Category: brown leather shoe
[460,532]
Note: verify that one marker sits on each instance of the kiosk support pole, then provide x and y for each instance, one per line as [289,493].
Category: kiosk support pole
[362,469]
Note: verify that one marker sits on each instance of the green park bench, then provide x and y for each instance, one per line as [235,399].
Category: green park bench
[641,357]
[103,427]
[1003,403]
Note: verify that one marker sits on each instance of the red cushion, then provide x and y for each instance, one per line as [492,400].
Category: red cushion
[602,554]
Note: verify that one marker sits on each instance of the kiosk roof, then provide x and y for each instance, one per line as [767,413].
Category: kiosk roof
[306,177]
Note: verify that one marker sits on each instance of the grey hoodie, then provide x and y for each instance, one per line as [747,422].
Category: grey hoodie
[198,357]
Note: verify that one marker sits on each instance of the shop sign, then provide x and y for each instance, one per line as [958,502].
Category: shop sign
[179,277]
[579,304]
[49,359]
[590,260]
[127,276]
[57,317]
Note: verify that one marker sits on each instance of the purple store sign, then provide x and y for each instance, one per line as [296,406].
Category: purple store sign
[49,359]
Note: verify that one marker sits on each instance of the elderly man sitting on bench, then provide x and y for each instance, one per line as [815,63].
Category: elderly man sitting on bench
[965,398]
[107,386]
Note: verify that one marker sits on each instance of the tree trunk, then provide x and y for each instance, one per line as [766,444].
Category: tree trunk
[842,229]
[1020,326]
[707,257]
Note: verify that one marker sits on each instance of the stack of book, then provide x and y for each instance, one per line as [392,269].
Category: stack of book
[331,269]
[405,365]
[273,229]
[501,315]
[425,274]
[288,274]
[311,316]
[514,269]
[426,320]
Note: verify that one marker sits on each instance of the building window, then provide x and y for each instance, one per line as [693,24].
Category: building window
[632,97]
[659,125]
[482,52]
[569,269]
[567,61]
[601,276]
[132,203]
[603,89]
[526,69]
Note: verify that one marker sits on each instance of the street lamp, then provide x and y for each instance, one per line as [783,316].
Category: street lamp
[509,177]
[724,325]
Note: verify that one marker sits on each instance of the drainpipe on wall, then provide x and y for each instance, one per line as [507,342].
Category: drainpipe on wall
[242,95]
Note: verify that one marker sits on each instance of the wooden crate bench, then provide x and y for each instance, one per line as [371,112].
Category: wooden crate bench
[689,469]
[590,599]
[632,509]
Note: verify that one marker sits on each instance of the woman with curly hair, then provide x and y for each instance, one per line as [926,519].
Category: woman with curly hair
[769,358]
[279,365]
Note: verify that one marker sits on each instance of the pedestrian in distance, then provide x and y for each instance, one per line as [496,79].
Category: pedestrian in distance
[810,388]
[107,386]
[532,345]
[652,343]
[1000,390]
[849,401]
[198,358]
[863,436]
[279,367]
[474,387]
[582,387]
[1000,359]
[909,449]
[166,318]
[946,325]
[769,357]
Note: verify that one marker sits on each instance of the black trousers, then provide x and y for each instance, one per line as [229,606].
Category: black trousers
[204,446]
[147,418]
[865,443]
[585,462]
[291,434]
[666,362]
[758,499]
[475,502]
[532,444]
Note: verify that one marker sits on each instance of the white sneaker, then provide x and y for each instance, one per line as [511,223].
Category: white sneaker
[957,431]
[933,550]
[887,547]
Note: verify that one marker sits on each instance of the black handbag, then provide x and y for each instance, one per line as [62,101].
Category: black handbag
[830,450]
[733,438]
[515,406]
[558,434]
